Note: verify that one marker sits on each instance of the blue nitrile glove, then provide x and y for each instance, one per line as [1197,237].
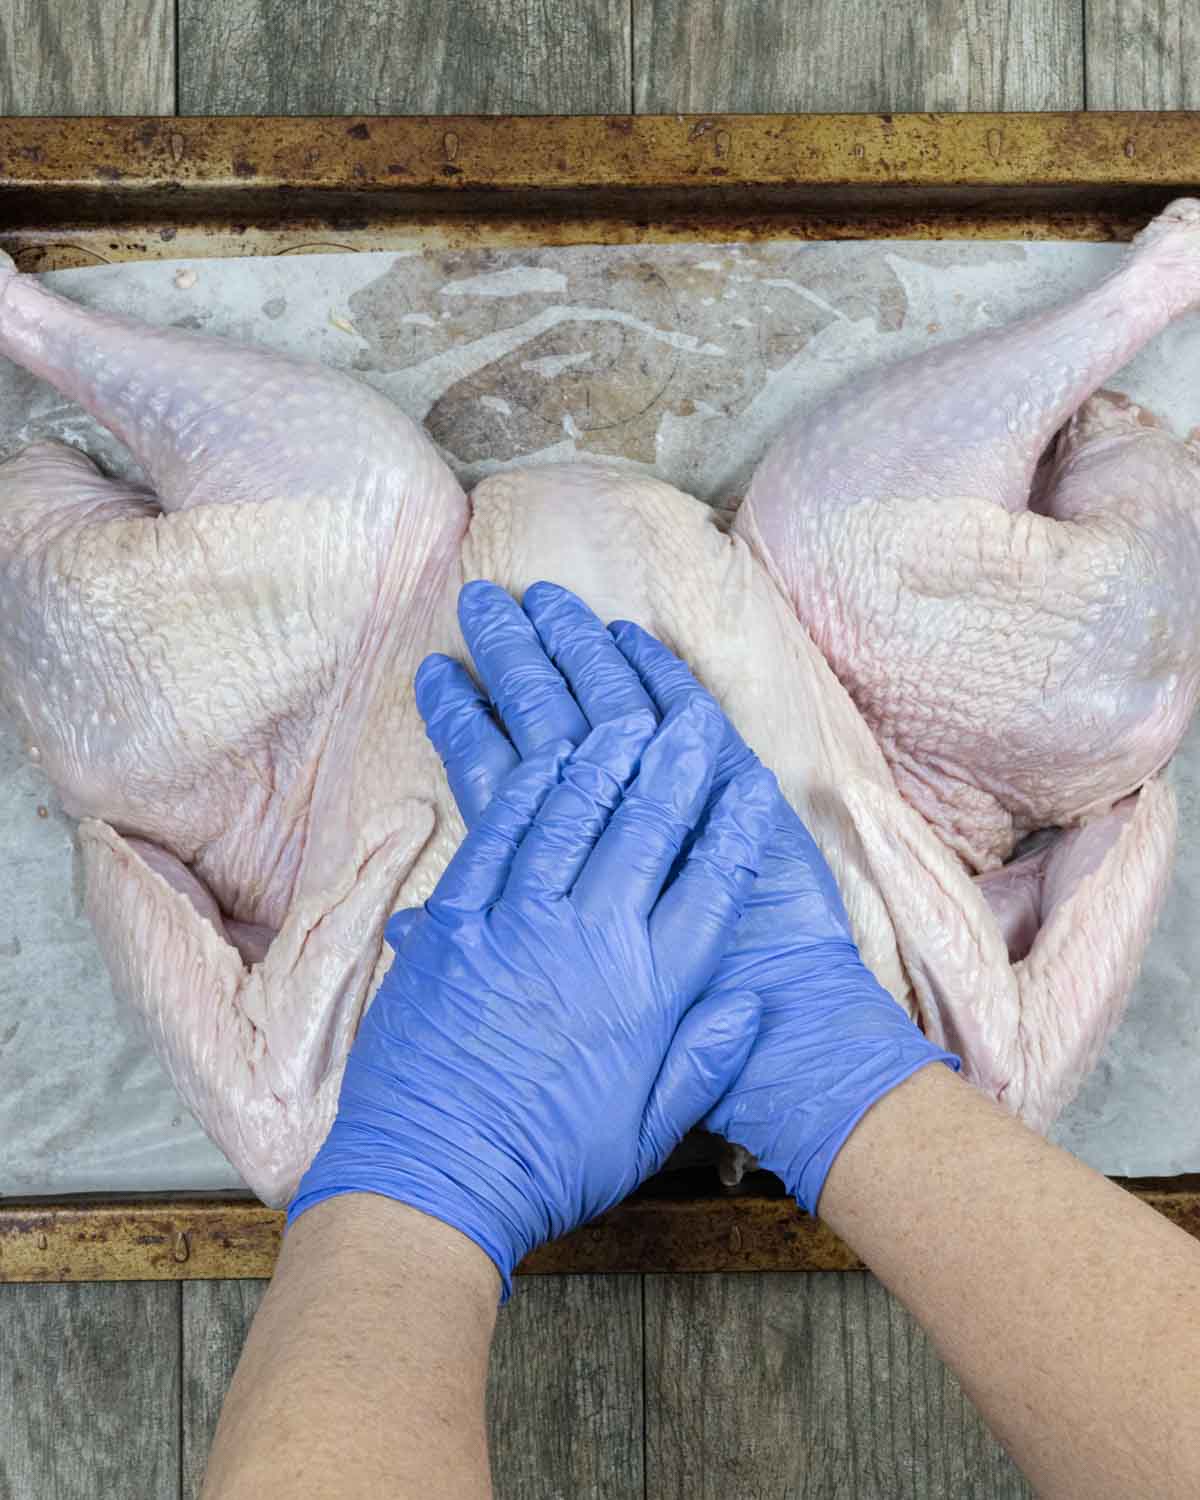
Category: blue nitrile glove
[534,1051]
[832,1040]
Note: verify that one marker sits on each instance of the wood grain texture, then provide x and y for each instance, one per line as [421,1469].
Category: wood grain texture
[216,1319]
[89,1391]
[103,57]
[565,1396]
[403,57]
[699,56]
[1143,54]
[796,1386]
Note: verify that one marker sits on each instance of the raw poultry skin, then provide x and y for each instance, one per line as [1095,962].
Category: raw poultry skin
[216,674]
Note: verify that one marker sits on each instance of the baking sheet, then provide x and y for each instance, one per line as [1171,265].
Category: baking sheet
[678,359]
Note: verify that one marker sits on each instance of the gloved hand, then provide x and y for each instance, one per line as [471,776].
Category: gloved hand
[534,1051]
[832,1041]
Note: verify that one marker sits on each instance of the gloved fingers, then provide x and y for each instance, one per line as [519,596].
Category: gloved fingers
[669,681]
[632,859]
[476,876]
[699,911]
[602,682]
[475,751]
[528,691]
[706,1055]
[577,811]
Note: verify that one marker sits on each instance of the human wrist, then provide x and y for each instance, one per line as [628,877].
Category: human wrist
[880,1148]
[402,1243]
[877,1076]
[465,1189]
[832,1043]
[878,1047]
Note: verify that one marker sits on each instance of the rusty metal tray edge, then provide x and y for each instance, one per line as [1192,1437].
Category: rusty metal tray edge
[83,191]
[184,1237]
[88,190]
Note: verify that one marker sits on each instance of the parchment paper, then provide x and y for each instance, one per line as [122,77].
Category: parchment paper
[682,360]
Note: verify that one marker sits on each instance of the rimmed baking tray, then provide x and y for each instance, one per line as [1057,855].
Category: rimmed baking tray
[77,192]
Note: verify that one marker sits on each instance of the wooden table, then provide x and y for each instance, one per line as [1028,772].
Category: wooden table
[606,1387]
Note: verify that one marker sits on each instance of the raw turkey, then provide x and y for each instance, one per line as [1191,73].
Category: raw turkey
[216,673]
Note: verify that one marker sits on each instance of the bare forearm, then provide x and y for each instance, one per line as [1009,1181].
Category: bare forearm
[365,1370]
[1069,1310]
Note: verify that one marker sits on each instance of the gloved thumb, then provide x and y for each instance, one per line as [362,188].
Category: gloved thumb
[709,1050]
[401,924]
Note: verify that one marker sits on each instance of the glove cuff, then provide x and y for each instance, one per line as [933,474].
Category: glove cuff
[879,1074]
[344,1165]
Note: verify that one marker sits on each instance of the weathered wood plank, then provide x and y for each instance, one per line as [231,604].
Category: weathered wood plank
[1143,54]
[565,1397]
[106,57]
[89,1391]
[701,56]
[216,1319]
[299,57]
[799,1386]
